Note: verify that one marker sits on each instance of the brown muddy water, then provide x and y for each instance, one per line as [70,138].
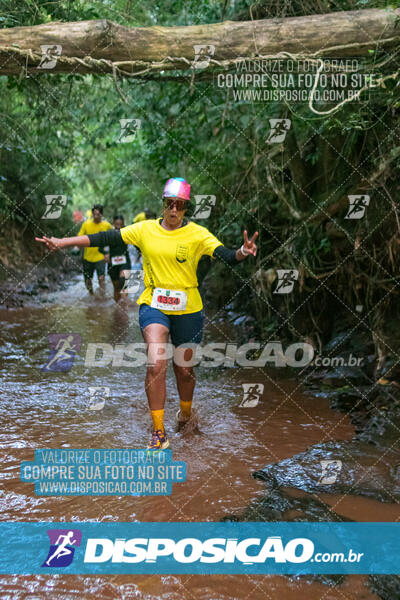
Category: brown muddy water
[50,410]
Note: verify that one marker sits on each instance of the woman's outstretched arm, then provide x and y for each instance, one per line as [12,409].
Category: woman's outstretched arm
[112,237]
[233,257]
[54,243]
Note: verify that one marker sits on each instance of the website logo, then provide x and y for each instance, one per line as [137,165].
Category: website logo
[357,206]
[129,130]
[286,280]
[50,54]
[204,204]
[202,55]
[252,392]
[330,471]
[98,397]
[133,281]
[63,346]
[61,551]
[279,129]
[54,206]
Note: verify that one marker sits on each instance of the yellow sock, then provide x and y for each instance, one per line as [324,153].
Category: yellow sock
[186,408]
[158,419]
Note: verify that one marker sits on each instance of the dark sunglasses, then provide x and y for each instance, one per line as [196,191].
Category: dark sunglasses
[169,203]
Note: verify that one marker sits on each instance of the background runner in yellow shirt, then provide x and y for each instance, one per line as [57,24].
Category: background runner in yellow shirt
[93,257]
[145,214]
[170,305]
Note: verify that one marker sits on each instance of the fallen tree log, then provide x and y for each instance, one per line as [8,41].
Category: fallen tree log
[102,46]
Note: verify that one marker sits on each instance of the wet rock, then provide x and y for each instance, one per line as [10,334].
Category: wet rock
[355,467]
[341,376]
[386,587]
[374,411]
[331,580]
[280,505]
[30,290]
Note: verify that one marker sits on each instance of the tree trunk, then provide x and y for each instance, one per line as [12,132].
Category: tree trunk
[339,34]
[364,185]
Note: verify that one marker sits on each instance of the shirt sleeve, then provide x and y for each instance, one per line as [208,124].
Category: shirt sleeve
[132,234]
[226,255]
[82,230]
[105,238]
[209,243]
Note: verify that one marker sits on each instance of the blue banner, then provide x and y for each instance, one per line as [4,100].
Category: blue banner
[203,548]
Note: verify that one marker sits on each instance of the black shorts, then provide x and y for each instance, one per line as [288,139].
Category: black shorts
[90,267]
[114,271]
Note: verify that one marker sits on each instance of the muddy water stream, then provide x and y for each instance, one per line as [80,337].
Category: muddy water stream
[50,410]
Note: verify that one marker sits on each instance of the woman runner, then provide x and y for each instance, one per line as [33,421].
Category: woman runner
[170,304]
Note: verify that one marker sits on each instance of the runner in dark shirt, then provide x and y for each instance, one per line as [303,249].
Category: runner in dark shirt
[118,261]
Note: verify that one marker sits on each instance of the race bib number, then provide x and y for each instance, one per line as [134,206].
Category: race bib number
[169,299]
[118,260]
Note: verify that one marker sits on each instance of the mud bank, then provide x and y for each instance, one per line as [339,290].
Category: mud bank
[29,282]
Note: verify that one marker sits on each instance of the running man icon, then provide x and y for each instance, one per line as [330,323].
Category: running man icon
[252,392]
[279,129]
[63,349]
[286,280]
[54,206]
[357,206]
[61,551]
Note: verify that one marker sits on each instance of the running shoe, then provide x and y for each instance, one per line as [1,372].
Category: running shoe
[180,421]
[159,441]
[188,424]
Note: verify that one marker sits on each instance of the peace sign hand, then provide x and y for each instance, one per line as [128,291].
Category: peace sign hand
[249,246]
[52,243]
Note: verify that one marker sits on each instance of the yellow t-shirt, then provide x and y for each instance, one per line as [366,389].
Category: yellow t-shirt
[139,217]
[170,258]
[92,254]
